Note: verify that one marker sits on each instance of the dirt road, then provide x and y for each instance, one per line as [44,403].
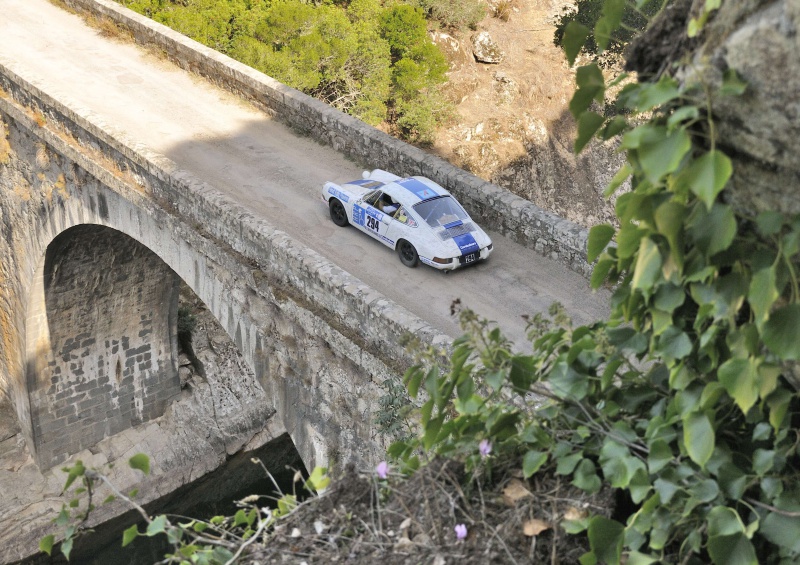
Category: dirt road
[267,168]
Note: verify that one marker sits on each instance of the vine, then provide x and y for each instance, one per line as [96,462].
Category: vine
[683,399]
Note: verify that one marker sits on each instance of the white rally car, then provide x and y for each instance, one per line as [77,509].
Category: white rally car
[415,216]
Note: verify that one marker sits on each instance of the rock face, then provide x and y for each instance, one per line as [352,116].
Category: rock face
[758,40]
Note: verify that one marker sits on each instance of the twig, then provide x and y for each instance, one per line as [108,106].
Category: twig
[786,513]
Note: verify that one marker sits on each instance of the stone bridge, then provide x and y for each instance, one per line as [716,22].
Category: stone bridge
[98,231]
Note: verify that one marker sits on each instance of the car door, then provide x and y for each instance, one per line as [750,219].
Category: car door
[368,218]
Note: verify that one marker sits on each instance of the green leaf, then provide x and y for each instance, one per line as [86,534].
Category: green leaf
[46,544]
[591,87]
[318,480]
[724,521]
[669,218]
[660,455]
[732,84]
[674,344]
[740,379]
[782,530]
[781,331]
[669,297]
[575,36]
[568,383]
[599,237]
[413,378]
[648,266]
[735,549]
[141,462]
[620,177]
[605,538]
[588,124]
[129,535]
[763,461]
[662,151]
[66,547]
[656,94]
[567,464]
[778,403]
[77,470]
[600,272]
[636,558]
[698,437]
[769,222]
[614,127]
[713,231]
[157,526]
[708,175]
[532,462]
[762,294]
[682,114]
[239,518]
[585,477]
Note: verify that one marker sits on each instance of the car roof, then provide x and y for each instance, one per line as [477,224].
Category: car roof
[408,191]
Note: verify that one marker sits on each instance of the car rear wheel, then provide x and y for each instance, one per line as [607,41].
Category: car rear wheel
[338,213]
[408,255]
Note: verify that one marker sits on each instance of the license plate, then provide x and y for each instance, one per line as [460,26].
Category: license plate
[470,258]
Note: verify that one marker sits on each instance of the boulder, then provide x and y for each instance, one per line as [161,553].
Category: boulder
[485,49]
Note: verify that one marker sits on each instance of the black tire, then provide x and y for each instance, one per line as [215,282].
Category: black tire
[408,255]
[338,213]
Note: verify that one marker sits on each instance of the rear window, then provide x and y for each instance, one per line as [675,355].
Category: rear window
[440,211]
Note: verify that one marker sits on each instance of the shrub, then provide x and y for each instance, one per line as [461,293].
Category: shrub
[456,14]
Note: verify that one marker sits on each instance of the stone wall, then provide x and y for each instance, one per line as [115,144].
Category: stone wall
[494,207]
[102,343]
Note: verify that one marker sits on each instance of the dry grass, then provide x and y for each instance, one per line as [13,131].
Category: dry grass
[503,9]
[400,522]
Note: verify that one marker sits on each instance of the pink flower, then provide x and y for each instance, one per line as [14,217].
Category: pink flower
[461,531]
[485,447]
[382,469]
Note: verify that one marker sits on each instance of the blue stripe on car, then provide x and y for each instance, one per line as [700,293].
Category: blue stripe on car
[466,243]
[453,224]
[419,189]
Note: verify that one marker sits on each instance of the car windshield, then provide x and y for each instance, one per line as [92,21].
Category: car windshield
[440,211]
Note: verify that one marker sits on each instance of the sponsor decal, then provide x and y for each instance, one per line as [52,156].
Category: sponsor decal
[338,194]
[466,243]
[358,215]
[426,261]
[419,189]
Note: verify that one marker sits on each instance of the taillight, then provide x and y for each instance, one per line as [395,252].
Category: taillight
[442,261]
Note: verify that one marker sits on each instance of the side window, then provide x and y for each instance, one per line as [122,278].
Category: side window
[402,217]
[372,198]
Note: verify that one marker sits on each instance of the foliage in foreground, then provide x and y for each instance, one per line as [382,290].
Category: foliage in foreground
[215,541]
[368,59]
[682,399]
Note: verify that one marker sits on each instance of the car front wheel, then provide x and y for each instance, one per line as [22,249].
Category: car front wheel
[408,255]
[338,213]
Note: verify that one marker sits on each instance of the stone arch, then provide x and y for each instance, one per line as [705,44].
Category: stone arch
[101,340]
